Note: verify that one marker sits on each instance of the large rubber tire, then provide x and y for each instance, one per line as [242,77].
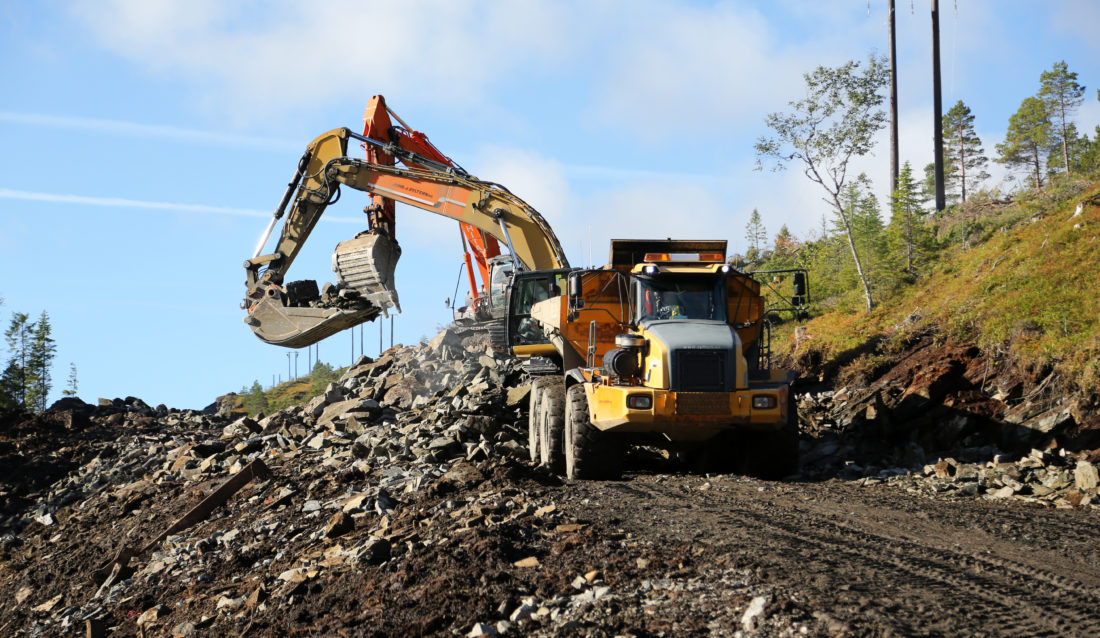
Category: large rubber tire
[725,453]
[552,426]
[767,455]
[589,453]
[775,455]
[534,443]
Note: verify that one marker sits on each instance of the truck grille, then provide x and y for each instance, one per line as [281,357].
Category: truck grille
[702,403]
[701,371]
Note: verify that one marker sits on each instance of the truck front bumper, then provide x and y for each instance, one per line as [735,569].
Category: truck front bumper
[686,416]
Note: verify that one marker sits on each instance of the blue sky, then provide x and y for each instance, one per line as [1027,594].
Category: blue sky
[145,143]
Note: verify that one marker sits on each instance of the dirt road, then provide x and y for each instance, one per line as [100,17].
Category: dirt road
[836,558]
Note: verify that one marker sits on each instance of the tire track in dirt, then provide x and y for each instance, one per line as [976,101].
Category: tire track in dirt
[878,560]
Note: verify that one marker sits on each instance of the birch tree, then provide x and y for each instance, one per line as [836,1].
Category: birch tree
[822,132]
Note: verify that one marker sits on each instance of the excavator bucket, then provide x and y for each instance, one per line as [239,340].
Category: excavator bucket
[300,327]
[364,268]
[366,264]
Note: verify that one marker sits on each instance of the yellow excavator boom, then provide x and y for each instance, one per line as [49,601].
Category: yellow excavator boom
[297,314]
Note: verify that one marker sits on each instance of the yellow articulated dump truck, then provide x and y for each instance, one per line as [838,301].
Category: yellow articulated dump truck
[664,346]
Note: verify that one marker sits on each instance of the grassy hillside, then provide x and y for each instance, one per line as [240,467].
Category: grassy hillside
[297,392]
[1018,278]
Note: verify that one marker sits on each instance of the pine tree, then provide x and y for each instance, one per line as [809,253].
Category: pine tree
[1076,145]
[39,361]
[321,375]
[14,381]
[869,230]
[1090,155]
[962,144]
[255,401]
[1061,94]
[755,234]
[10,387]
[1027,138]
[909,239]
[70,386]
[950,180]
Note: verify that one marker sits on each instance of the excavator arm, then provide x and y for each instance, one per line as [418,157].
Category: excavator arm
[478,248]
[297,314]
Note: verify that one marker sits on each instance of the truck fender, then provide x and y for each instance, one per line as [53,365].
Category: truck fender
[573,377]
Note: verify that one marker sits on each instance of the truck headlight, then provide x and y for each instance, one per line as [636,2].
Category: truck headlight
[639,402]
[763,402]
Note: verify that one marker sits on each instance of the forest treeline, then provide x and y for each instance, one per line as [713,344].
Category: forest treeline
[866,249]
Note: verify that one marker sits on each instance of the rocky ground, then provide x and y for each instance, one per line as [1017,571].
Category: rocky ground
[936,497]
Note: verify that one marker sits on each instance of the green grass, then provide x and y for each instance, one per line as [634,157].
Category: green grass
[1026,287]
[289,393]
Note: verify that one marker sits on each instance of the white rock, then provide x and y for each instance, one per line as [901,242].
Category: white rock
[754,614]
[481,629]
[1086,476]
[523,612]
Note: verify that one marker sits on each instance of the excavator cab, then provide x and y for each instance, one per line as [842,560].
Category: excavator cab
[491,304]
[523,335]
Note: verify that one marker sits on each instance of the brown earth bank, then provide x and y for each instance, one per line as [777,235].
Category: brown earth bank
[939,494]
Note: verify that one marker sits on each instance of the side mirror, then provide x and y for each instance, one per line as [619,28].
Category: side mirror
[799,297]
[575,290]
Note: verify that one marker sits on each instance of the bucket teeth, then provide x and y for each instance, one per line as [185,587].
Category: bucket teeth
[366,264]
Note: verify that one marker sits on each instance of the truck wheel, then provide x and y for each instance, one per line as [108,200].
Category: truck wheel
[723,454]
[776,453]
[552,426]
[538,389]
[589,453]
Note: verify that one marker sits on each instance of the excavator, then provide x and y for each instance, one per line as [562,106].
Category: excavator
[295,314]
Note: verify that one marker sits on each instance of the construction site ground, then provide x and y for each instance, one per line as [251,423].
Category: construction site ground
[490,544]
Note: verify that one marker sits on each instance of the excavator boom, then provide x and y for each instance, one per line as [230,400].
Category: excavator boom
[298,314]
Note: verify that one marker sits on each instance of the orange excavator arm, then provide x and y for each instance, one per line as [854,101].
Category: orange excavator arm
[378,125]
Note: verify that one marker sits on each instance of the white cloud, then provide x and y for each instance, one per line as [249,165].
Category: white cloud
[122,202]
[135,129]
[281,55]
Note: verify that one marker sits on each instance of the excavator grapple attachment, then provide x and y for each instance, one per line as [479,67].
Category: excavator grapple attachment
[366,264]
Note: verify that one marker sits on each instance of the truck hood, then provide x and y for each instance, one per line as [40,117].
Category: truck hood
[702,354]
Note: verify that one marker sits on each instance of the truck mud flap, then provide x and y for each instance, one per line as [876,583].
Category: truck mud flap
[292,327]
[366,264]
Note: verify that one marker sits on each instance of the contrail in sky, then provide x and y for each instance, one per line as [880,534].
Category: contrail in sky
[119,202]
[135,129]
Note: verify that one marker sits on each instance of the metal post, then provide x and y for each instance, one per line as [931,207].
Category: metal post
[391,331]
[937,117]
[893,105]
[288,366]
[295,364]
[380,324]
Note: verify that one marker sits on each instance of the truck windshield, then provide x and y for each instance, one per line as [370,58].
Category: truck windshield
[680,298]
